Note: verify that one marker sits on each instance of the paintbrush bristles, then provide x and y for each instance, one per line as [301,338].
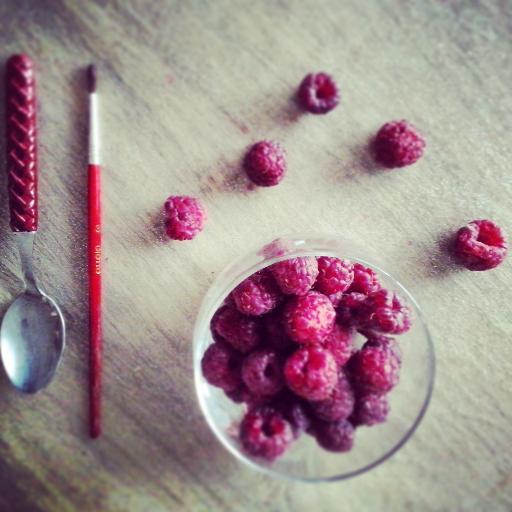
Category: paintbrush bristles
[92,78]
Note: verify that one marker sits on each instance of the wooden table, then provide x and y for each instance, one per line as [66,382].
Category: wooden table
[185,87]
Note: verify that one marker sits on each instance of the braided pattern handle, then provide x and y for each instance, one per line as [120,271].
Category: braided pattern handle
[21,131]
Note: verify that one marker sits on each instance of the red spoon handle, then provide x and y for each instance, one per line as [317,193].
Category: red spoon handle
[21,133]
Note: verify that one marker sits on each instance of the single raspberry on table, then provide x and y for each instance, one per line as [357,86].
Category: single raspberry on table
[265,433]
[337,436]
[481,245]
[398,143]
[350,308]
[339,342]
[240,331]
[374,339]
[334,275]
[318,93]
[295,276]
[221,366]
[265,163]
[309,318]
[256,295]
[370,409]
[373,370]
[185,217]
[274,331]
[339,404]
[365,280]
[294,410]
[262,372]
[311,373]
[384,311]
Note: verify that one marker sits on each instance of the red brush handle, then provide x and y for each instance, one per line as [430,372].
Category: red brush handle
[96,356]
[21,133]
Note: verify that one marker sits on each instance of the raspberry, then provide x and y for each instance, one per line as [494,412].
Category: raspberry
[379,340]
[275,335]
[338,405]
[295,411]
[240,394]
[350,308]
[335,298]
[262,373]
[334,275]
[365,280]
[481,245]
[370,409]
[257,295]
[265,163]
[184,217]
[242,332]
[318,93]
[337,436]
[398,143]
[374,369]
[339,344]
[311,373]
[383,311]
[265,433]
[295,276]
[309,318]
[221,366]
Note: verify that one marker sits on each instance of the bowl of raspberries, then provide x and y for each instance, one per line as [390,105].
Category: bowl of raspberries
[310,361]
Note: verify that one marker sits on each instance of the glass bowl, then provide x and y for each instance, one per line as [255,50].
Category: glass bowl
[305,460]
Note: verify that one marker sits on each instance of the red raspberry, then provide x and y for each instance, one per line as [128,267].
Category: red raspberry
[337,436]
[339,344]
[383,311]
[338,405]
[370,409]
[262,373]
[311,373]
[365,280]
[334,275]
[257,295]
[240,394]
[374,370]
[265,163]
[335,298]
[221,366]
[295,276]
[242,332]
[265,433]
[294,410]
[184,217]
[481,245]
[318,93]
[274,330]
[385,342]
[398,143]
[309,318]
[350,308]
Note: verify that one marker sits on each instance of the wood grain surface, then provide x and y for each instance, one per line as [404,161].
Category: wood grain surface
[185,87]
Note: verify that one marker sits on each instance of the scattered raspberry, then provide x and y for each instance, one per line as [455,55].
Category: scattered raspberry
[262,373]
[221,366]
[274,331]
[334,275]
[350,308]
[311,373]
[337,436]
[339,343]
[295,411]
[374,369]
[265,163]
[370,409]
[265,433]
[481,245]
[379,340]
[398,143]
[309,318]
[384,311]
[242,332]
[184,217]
[257,295]
[318,93]
[295,276]
[365,280]
[338,405]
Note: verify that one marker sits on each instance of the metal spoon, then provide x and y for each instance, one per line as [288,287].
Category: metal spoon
[32,334]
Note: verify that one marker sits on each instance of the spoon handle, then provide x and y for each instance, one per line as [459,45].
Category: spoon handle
[21,133]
